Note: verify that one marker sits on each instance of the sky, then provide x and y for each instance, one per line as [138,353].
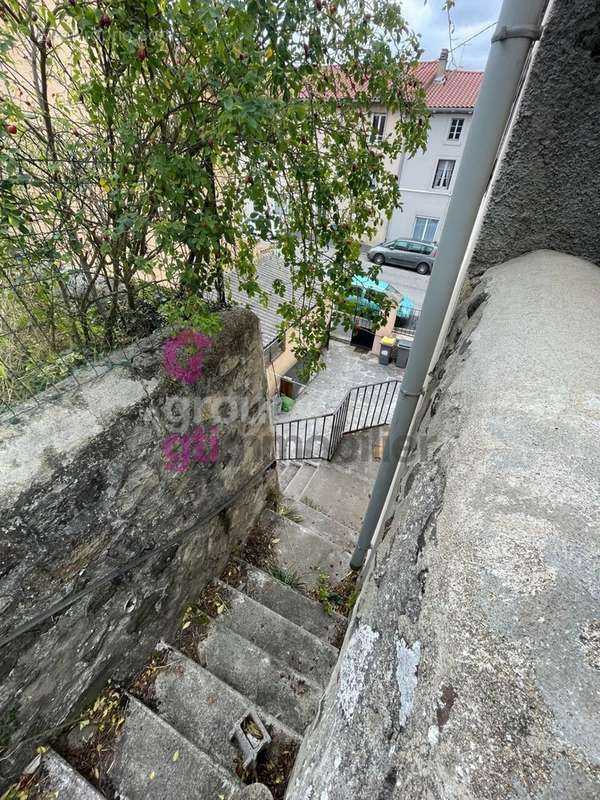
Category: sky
[469,17]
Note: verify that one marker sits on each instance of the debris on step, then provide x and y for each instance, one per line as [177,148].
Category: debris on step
[49,776]
[197,618]
[260,544]
[143,685]
[89,745]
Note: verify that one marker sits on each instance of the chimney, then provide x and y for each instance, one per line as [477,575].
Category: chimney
[440,74]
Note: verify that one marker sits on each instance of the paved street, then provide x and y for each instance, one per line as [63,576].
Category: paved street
[405,281]
[345,367]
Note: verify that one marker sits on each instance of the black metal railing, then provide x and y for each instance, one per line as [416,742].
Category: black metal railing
[407,323]
[363,407]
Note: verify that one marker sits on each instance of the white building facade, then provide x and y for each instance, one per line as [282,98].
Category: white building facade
[427,179]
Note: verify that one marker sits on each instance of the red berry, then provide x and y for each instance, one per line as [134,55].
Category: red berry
[12,129]
[105,21]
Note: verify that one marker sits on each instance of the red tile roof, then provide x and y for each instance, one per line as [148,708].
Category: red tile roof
[459,89]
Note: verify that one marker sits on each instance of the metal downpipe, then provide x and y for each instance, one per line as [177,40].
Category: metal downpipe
[518,26]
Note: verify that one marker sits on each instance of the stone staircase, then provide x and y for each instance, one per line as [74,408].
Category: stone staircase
[268,650]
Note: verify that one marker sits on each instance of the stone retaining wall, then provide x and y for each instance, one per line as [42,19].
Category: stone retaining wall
[471,667]
[546,191]
[100,513]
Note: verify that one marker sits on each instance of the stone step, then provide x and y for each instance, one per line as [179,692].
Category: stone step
[300,481]
[269,683]
[303,551]
[327,527]
[301,650]
[204,709]
[152,761]
[59,779]
[287,473]
[293,605]
[340,493]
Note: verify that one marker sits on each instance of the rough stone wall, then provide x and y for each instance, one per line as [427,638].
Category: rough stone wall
[86,494]
[471,668]
[547,193]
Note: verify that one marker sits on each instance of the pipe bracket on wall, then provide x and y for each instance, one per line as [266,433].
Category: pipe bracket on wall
[411,394]
[533,32]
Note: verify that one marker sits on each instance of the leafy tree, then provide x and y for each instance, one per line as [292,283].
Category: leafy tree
[164,138]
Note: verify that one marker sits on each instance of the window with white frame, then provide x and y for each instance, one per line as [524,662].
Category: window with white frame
[456,127]
[443,173]
[379,121]
[425,229]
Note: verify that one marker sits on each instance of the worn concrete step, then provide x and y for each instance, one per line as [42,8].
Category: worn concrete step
[293,605]
[327,527]
[152,761]
[287,473]
[204,709]
[361,452]
[340,493]
[59,779]
[300,481]
[276,635]
[305,552]
[264,680]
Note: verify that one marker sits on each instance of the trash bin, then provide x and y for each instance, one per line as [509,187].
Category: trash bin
[387,345]
[403,352]
[286,403]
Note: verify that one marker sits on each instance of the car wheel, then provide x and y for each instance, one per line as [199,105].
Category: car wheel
[423,268]
[379,260]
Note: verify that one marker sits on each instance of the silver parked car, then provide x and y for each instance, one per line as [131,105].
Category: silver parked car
[408,253]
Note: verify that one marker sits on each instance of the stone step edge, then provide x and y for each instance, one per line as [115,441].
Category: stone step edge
[319,642]
[324,516]
[307,532]
[53,762]
[225,774]
[334,615]
[305,466]
[276,662]
[349,472]
[267,718]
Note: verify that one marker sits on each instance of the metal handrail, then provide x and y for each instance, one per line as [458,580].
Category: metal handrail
[318,437]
